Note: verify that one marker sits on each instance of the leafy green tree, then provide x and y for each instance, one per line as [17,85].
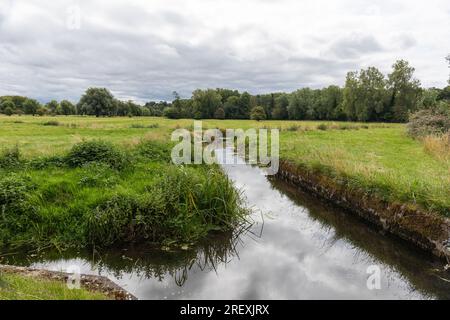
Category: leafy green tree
[371,95]
[8,111]
[42,111]
[52,106]
[258,113]
[245,105]
[205,103]
[98,102]
[299,103]
[350,95]
[67,107]
[219,114]
[231,107]
[31,106]
[171,113]
[280,111]
[226,93]
[8,107]
[404,90]
[429,98]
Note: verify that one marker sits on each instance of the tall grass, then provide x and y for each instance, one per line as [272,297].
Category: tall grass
[438,146]
[92,199]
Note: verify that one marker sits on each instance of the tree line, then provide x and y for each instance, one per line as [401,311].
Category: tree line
[368,95]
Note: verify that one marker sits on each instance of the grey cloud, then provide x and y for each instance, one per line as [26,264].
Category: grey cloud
[143,51]
[354,45]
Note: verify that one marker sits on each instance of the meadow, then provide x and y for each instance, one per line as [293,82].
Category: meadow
[378,158]
[84,182]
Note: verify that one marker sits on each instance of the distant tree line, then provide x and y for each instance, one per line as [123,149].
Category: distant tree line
[94,102]
[368,95]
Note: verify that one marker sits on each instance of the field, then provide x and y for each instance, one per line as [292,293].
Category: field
[380,158]
[60,191]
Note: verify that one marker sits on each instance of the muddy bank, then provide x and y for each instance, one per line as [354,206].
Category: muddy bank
[427,230]
[89,282]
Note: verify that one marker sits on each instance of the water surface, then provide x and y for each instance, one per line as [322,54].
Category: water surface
[296,248]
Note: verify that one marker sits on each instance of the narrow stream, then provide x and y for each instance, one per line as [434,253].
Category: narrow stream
[297,248]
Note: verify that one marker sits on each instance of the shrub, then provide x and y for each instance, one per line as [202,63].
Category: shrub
[258,114]
[154,150]
[10,158]
[429,122]
[45,162]
[143,126]
[97,151]
[15,208]
[51,123]
[294,127]
[322,126]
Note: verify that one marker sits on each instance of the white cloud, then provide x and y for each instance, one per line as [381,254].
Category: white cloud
[147,49]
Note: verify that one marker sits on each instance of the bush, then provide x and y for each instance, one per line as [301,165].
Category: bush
[51,123]
[258,114]
[429,122]
[10,158]
[45,162]
[154,150]
[182,206]
[15,208]
[294,127]
[97,151]
[322,126]
[143,126]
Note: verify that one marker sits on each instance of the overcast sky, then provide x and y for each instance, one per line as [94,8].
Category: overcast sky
[145,49]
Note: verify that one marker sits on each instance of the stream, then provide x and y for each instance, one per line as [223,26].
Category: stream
[296,248]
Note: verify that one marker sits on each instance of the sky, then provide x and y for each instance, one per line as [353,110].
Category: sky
[145,49]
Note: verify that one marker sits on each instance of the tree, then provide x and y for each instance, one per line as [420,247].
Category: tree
[8,107]
[41,111]
[429,98]
[31,106]
[231,107]
[52,106]
[350,94]
[205,103]
[98,102]
[67,107]
[258,113]
[404,90]
[371,95]
[219,114]
[171,113]
[244,106]
[300,102]
[280,111]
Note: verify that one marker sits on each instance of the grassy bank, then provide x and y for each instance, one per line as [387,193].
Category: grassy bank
[377,158]
[100,194]
[20,287]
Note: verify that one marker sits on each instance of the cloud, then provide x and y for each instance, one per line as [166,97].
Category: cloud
[146,49]
[353,46]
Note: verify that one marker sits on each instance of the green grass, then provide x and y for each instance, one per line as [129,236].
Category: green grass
[378,158]
[18,287]
[100,194]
